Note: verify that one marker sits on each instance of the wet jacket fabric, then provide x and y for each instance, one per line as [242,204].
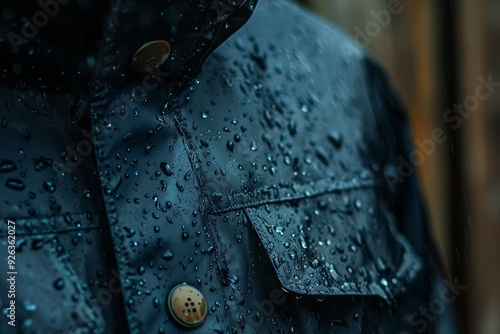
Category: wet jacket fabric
[260,164]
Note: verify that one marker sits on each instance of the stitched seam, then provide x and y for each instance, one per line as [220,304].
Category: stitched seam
[213,234]
[370,183]
[46,216]
[62,231]
[51,229]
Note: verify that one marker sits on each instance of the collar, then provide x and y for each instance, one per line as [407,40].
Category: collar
[193,29]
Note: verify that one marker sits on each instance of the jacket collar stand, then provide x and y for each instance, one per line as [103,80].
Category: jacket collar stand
[192,28]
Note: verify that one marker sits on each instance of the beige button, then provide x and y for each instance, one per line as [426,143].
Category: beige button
[150,56]
[187,305]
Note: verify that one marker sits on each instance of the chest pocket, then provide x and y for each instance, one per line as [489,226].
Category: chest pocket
[333,238]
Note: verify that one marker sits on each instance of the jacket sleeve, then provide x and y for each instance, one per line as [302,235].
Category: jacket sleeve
[431,295]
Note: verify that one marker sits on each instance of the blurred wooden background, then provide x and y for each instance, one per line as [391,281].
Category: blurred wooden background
[434,52]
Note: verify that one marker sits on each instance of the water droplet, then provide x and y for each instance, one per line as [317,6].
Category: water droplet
[141,270]
[292,127]
[358,204]
[29,306]
[15,184]
[179,186]
[166,169]
[167,255]
[59,284]
[49,186]
[335,138]
[380,264]
[234,279]
[230,146]
[20,244]
[303,242]
[384,282]
[129,232]
[7,166]
[42,163]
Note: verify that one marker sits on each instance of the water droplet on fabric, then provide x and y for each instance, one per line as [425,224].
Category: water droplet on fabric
[59,284]
[167,255]
[49,186]
[15,184]
[166,169]
[7,166]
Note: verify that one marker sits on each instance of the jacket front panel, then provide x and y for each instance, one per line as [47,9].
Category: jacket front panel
[65,268]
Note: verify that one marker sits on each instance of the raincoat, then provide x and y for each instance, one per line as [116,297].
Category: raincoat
[245,150]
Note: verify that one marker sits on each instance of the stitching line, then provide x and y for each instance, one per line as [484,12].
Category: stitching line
[370,183]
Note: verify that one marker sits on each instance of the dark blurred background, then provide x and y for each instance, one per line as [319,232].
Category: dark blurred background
[435,53]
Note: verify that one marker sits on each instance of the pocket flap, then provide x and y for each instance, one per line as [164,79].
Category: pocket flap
[335,244]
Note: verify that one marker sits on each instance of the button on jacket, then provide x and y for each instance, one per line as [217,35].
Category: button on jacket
[207,167]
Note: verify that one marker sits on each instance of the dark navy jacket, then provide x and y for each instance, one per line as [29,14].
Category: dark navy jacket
[260,165]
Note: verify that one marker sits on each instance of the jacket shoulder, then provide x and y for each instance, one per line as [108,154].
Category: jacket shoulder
[286,23]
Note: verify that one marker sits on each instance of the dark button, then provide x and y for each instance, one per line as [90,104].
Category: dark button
[150,56]
[187,305]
